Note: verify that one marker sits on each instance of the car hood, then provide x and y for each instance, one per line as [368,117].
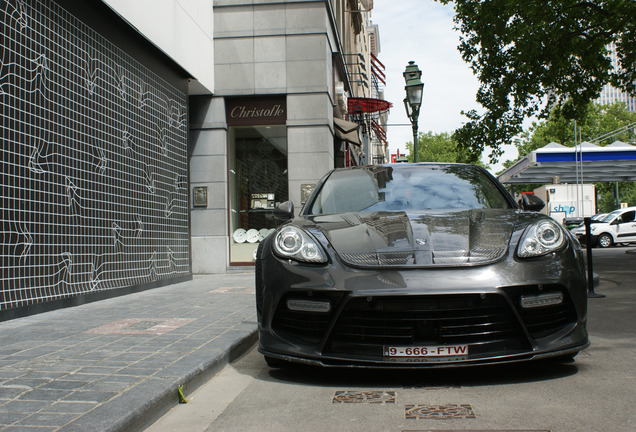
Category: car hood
[460,238]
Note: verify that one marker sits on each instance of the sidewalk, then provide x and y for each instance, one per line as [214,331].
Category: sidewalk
[117,364]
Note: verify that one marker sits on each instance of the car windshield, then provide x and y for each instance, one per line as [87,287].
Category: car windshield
[407,188]
[611,216]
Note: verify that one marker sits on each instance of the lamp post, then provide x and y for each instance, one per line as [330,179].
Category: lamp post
[413,100]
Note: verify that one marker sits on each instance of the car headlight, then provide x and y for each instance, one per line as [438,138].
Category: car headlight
[541,238]
[292,242]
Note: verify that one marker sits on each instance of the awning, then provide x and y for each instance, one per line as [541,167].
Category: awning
[346,131]
[379,132]
[377,69]
[367,105]
[615,162]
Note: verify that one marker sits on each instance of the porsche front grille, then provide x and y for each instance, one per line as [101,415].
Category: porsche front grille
[486,322]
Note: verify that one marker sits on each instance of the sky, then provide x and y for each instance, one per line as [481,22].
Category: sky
[423,31]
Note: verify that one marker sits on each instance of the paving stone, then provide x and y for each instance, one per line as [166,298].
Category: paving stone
[9,418]
[89,396]
[60,371]
[30,429]
[11,392]
[27,383]
[69,407]
[64,385]
[46,419]
[83,377]
[44,395]
[22,406]
[122,379]
[104,386]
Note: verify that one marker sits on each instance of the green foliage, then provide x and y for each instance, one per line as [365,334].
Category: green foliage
[182,399]
[595,121]
[533,56]
[440,147]
[607,195]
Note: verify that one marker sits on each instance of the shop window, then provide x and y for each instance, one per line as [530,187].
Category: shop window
[258,183]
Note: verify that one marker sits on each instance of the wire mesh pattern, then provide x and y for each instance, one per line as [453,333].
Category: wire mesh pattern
[94,157]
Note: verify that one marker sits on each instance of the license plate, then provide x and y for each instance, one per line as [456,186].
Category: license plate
[426,351]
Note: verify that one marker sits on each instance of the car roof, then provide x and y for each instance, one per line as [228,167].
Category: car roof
[621,210]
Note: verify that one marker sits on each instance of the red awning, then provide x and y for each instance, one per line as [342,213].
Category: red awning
[379,131]
[367,105]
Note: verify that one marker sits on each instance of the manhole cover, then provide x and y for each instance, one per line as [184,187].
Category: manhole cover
[364,397]
[440,412]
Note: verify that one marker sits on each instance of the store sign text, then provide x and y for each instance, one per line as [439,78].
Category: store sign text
[258,110]
[244,112]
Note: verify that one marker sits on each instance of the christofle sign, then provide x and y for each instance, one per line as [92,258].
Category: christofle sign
[256,111]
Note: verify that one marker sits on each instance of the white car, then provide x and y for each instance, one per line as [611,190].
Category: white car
[618,227]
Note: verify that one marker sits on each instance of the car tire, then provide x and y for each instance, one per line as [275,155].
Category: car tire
[605,240]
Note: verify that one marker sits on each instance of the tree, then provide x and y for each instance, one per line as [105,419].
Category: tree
[594,121]
[533,56]
[439,147]
[612,194]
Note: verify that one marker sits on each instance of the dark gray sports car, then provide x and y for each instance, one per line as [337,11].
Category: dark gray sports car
[412,265]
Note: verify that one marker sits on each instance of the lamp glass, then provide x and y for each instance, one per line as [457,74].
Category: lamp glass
[414,94]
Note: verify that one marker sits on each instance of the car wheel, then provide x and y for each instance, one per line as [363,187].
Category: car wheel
[605,240]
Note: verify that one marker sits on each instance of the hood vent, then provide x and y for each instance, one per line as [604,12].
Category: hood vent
[439,258]
[379,259]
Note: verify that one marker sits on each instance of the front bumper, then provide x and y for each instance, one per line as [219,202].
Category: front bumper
[370,310]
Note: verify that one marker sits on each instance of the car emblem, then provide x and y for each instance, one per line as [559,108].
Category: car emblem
[420,242]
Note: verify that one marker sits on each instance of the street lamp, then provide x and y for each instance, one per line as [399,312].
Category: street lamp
[413,100]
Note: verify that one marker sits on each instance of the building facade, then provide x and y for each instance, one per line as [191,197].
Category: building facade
[279,119]
[95,148]
[610,94]
[139,148]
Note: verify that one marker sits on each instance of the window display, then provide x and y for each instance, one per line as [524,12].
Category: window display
[258,183]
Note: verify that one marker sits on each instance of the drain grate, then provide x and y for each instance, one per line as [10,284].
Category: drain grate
[376,397]
[439,412]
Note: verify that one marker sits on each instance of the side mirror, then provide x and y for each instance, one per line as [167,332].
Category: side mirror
[531,202]
[284,211]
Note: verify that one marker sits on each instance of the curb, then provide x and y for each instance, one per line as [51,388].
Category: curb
[192,381]
[151,399]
